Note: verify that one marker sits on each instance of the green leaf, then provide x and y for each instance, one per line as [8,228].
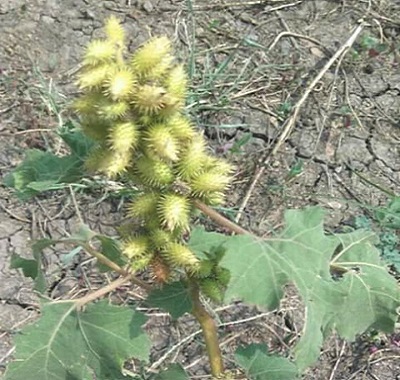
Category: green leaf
[304,255]
[388,243]
[77,141]
[41,171]
[174,372]
[83,235]
[367,290]
[174,298]
[41,186]
[250,42]
[368,42]
[389,216]
[296,169]
[69,257]
[29,266]
[39,245]
[67,344]
[32,267]
[37,250]
[238,145]
[111,249]
[202,242]
[259,365]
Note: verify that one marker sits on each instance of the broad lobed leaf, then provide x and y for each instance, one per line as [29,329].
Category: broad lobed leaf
[173,372]
[174,298]
[304,255]
[67,344]
[258,364]
[43,171]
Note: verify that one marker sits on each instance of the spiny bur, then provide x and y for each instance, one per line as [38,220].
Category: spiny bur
[174,211]
[153,57]
[180,256]
[114,31]
[133,107]
[136,246]
[212,289]
[144,205]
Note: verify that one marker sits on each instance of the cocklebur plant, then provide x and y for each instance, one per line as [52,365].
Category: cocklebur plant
[132,108]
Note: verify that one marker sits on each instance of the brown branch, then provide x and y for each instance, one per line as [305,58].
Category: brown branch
[109,263]
[80,302]
[115,267]
[220,219]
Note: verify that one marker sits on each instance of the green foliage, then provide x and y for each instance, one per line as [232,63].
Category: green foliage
[386,220]
[78,143]
[33,267]
[174,298]
[43,171]
[260,365]
[363,222]
[285,108]
[110,248]
[30,268]
[70,344]
[296,169]
[389,216]
[336,275]
[174,372]
[388,245]
[308,258]
[369,42]
[369,45]
[202,242]
[241,142]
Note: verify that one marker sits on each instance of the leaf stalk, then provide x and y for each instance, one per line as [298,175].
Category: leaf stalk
[220,219]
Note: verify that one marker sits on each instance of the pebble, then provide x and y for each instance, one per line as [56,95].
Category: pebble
[148,6]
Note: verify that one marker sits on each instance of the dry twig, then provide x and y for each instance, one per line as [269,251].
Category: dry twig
[290,122]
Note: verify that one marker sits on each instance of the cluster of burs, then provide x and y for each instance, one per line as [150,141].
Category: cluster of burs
[132,106]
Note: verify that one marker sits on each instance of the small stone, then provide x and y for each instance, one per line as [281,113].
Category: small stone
[48,20]
[88,14]
[200,32]
[148,6]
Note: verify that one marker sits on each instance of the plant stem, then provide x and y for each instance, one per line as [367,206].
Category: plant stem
[209,329]
[106,261]
[220,219]
[102,291]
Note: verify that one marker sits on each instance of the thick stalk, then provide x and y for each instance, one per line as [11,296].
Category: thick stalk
[106,261]
[220,219]
[209,329]
[80,302]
